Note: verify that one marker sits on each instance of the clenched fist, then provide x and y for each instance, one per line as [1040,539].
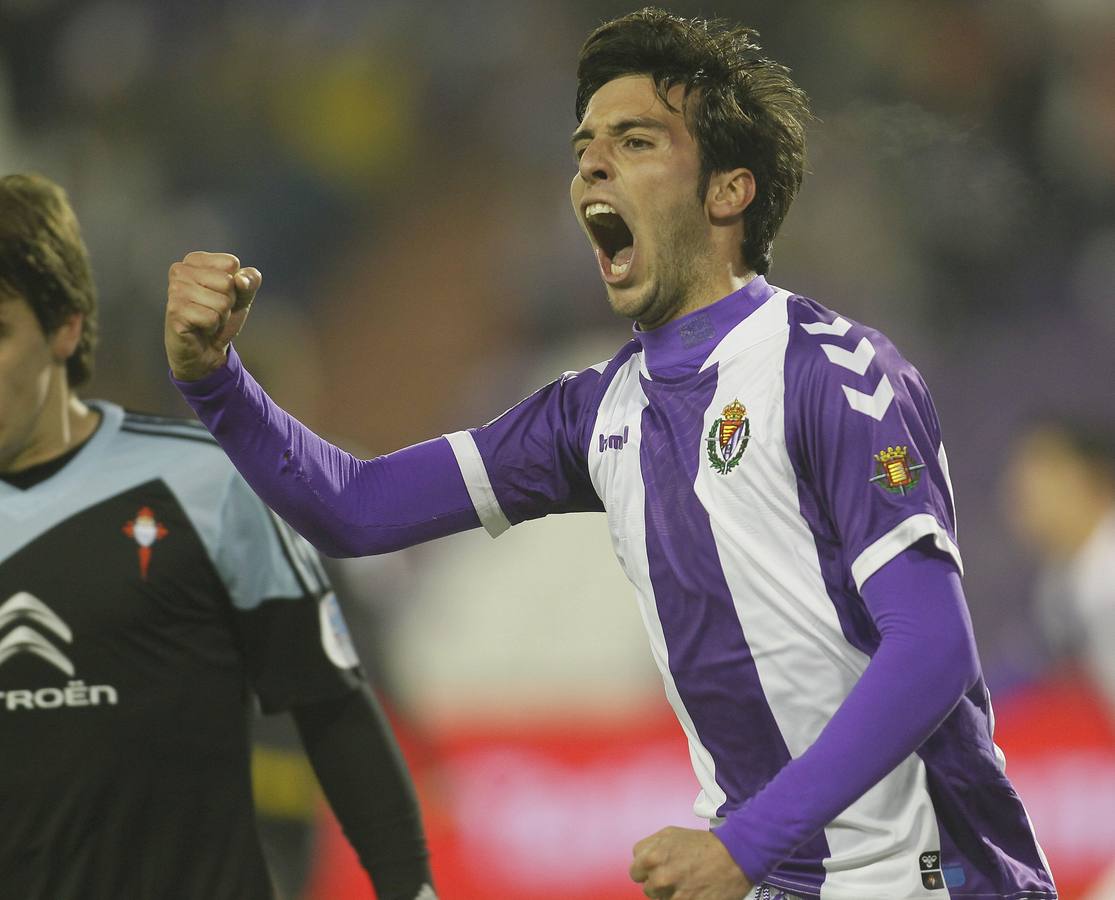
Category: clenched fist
[687,864]
[208,298]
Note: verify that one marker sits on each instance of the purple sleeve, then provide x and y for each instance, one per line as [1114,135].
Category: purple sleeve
[344,506]
[925,662]
[532,460]
[866,443]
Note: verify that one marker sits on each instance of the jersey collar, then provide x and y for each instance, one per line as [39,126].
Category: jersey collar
[678,348]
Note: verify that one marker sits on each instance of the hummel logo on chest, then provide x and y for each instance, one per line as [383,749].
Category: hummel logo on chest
[614,441]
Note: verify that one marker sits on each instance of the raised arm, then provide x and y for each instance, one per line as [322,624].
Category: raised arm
[343,505]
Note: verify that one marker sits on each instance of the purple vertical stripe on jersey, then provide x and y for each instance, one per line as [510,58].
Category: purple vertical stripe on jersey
[832,556]
[987,830]
[709,658]
[959,757]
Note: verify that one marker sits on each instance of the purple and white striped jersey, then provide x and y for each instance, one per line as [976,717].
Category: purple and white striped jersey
[758,461]
[778,494]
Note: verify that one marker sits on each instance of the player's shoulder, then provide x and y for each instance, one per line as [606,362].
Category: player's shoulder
[604,371]
[171,447]
[183,454]
[164,430]
[837,366]
[585,388]
[829,344]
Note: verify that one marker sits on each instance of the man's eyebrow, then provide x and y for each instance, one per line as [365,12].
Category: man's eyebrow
[619,128]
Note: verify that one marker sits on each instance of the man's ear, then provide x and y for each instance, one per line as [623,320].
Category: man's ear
[64,339]
[729,194]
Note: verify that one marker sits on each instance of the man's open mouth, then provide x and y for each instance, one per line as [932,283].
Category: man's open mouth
[615,244]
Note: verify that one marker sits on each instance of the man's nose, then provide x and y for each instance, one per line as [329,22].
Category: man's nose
[594,165]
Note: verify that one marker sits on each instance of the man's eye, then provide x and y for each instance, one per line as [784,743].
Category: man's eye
[636,143]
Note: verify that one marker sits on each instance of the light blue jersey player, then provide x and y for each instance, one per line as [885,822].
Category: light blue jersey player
[146,597]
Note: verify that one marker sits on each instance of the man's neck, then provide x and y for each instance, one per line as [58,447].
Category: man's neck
[65,424]
[705,295]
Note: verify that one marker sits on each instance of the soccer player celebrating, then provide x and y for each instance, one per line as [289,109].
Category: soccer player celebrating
[145,591]
[775,482]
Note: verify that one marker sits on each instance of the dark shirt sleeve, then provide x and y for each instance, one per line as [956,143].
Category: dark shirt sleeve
[362,772]
[925,662]
[293,637]
[299,656]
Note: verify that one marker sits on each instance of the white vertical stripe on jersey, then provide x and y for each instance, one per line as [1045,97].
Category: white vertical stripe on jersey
[804,663]
[617,476]
[477,483]
[768,321]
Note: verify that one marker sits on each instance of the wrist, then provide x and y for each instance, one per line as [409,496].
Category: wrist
[196,380]
[196,370]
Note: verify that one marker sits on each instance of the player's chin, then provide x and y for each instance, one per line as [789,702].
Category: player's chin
[629,300]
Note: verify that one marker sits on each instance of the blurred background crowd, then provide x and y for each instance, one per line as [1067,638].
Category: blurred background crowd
[398,169]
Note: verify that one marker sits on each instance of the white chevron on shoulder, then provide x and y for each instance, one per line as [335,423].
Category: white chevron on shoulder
[874,405]
[839,327]
[856,360]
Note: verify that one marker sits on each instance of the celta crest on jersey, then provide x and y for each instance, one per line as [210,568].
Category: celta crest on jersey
[896,470]
[728,437]
[145,530]
[36,624]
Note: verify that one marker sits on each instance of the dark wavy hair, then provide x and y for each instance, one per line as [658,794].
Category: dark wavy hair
[44,260]
[742,109]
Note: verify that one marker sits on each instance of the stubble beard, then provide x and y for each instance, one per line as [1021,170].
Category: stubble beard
[677,275]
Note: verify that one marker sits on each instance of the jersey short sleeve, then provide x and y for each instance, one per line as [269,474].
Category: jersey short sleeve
[531,461]
[865,441]
[295,640]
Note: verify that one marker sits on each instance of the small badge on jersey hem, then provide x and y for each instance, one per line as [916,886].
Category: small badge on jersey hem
[336,640]
[896,470]
[728,438]
[145,530]
[932,878]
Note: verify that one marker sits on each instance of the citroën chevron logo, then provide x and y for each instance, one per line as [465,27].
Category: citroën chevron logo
[38,630]
[728,437]
[35,618]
